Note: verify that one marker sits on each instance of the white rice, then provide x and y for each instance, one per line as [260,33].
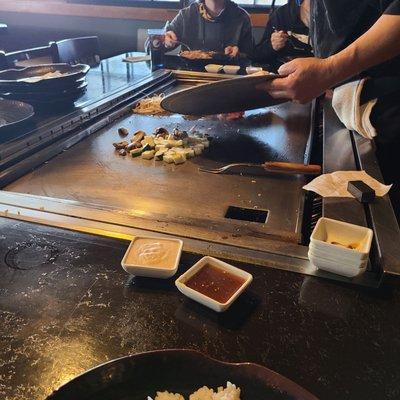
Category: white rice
[231,392]
[167,396]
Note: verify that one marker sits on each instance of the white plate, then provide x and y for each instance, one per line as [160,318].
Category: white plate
[330,230]
[152,271]
[203,299]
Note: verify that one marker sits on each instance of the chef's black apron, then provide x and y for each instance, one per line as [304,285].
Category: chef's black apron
[335,24]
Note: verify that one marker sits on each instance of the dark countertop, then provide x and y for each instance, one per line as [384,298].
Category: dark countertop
[66,305]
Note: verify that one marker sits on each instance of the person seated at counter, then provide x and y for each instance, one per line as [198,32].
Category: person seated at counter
[212,25]
[286,34]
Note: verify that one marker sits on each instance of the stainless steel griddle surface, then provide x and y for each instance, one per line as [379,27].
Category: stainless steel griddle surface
[92,172]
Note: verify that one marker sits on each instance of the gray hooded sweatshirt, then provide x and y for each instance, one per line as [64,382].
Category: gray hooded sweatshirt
[231,28]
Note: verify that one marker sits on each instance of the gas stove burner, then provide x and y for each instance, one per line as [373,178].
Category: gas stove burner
[29,255]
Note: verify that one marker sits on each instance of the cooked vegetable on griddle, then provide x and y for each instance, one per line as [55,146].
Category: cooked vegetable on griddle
[162,146]
[120,145]
[150,105]
[123,131]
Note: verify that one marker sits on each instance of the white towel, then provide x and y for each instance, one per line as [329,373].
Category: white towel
[356,117]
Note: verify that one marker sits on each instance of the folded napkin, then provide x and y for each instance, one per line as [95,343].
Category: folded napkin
[355,117]
[335,184]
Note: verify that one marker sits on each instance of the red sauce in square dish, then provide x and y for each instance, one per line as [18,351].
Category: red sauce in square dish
[216,283]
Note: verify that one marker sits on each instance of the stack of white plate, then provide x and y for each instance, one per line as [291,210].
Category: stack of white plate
[340,247]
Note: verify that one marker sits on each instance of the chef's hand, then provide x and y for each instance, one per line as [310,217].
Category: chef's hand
[231,51]
[304,79]
[278,40]
[170,39]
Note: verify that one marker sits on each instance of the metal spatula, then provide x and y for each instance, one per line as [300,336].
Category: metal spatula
[225,96]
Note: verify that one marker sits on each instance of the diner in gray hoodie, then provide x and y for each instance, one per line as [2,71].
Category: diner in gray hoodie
[232,27]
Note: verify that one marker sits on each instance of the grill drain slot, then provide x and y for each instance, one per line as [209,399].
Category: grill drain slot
[247,214]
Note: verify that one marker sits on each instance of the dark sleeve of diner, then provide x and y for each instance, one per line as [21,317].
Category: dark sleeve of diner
[176,25]
[393,8]
[246,42]
[264,51]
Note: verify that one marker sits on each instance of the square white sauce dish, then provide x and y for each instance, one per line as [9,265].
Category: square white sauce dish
[152,257]
[341,239]
[253,70]
[213,68]
[213,283]
[337,267]
[231,69]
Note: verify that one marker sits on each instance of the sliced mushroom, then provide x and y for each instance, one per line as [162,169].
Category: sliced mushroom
[161,132]
[123,131]
[120,145]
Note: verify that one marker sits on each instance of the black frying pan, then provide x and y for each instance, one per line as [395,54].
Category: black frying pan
[14,113]
[18,79]
[179,371]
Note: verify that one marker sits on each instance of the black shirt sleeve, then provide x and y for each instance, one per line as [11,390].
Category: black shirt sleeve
[264,51]
[176,25]
[394,8]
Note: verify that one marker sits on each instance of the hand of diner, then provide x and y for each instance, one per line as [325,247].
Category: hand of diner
[278,40]
[231,51]
[170,39]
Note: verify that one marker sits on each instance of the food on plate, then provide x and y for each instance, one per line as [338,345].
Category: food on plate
[167,396]
[231,392]
[197,54]
[49,75]
[172,148]
[150,105]
[352,246]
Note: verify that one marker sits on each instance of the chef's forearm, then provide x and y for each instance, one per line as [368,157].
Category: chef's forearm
[379,44]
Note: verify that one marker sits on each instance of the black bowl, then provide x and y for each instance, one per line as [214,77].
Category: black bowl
[16,79]
[13,113]
[179,371]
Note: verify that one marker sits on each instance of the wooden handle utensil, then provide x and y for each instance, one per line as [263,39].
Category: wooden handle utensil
[292,168]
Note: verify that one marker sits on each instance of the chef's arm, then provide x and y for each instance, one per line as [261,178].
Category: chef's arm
[311,77]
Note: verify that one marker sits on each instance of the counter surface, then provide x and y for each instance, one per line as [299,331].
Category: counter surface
[66,305]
